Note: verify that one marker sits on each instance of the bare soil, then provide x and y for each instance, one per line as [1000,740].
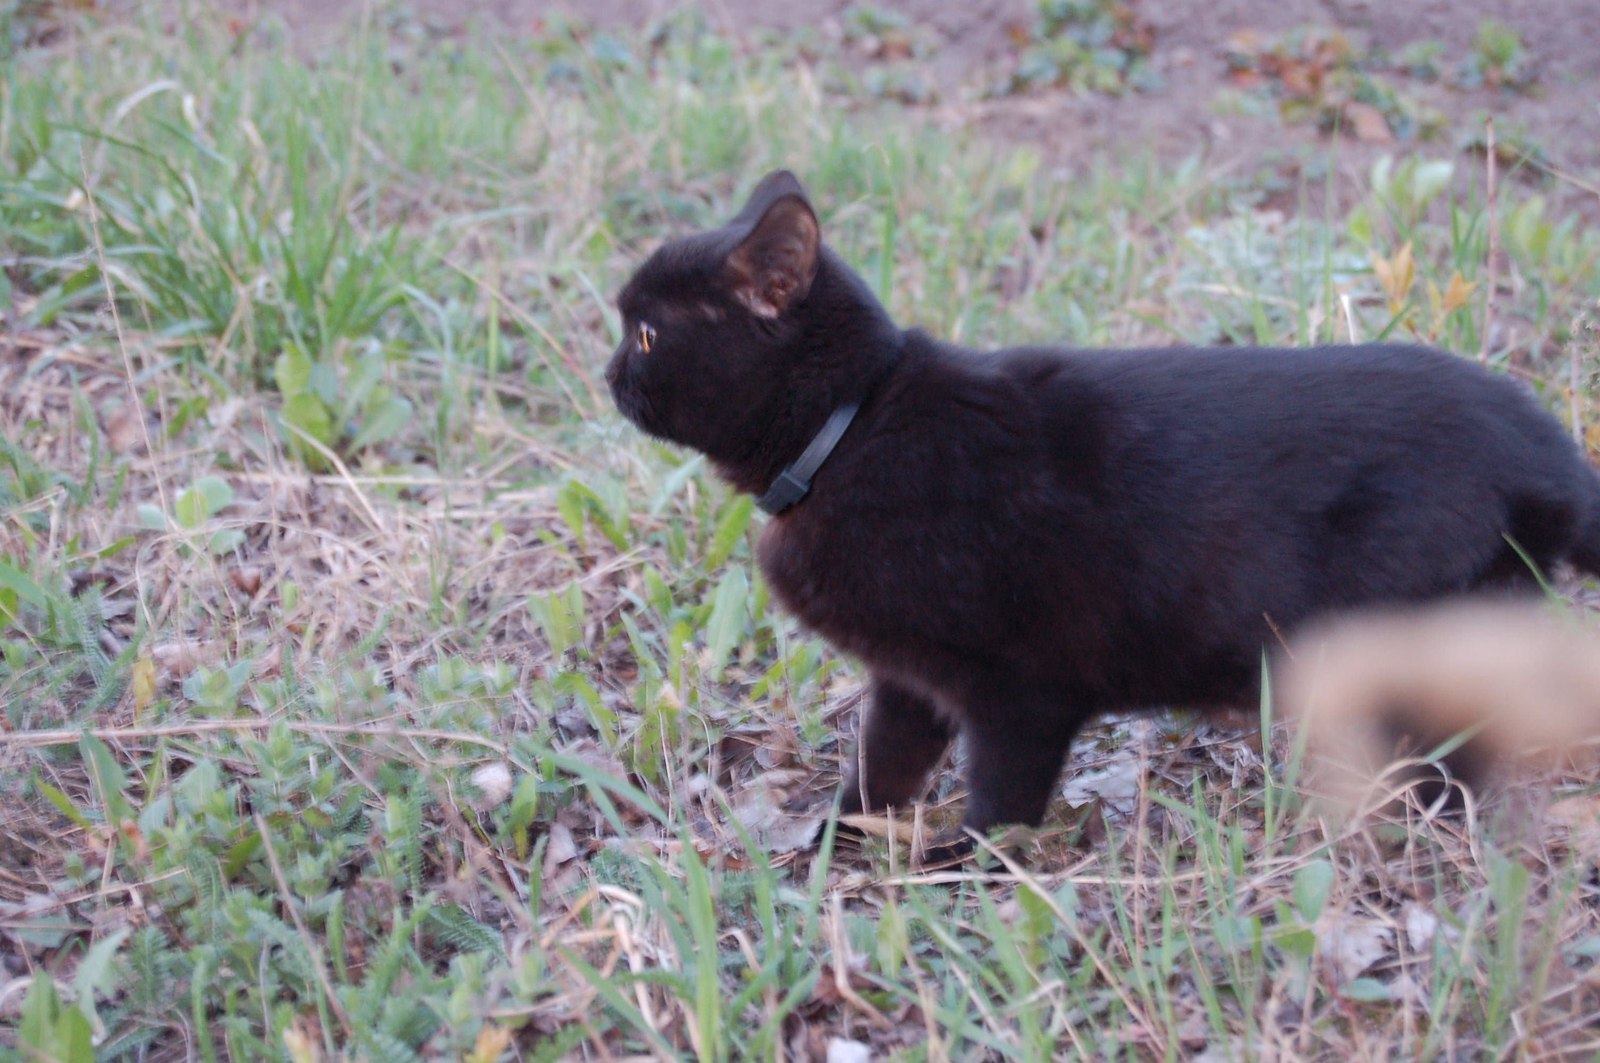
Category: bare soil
[1199,106]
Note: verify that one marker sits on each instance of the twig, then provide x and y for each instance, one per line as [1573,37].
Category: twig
[1574,407]
[136,403]
[841,969]
[1585,339]
[343,470]
[67,736]
[1349,316]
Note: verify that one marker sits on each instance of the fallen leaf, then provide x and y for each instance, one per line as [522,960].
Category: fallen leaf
[561,848]
[300,1044]
[1245,42]
[175,660]
[1117,784]
[901,827]
[1300,77]
[247,578]
[1406,990]
[491,1044]
[1420,926]
[1353,944]
[143,684]
[1367,123]
[1579,816]
[759,809]
[124,425]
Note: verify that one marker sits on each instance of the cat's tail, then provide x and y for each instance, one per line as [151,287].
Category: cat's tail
[1515,679]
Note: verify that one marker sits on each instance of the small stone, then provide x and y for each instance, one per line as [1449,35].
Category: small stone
[494,784]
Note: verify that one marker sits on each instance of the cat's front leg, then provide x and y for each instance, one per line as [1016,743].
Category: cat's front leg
[902,738]
[1013,761]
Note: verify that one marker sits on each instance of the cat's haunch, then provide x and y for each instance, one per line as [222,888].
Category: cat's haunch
[1014,540]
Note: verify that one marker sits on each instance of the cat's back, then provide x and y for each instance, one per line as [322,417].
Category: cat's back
[1241,379]
[1154,430]
[1233,401]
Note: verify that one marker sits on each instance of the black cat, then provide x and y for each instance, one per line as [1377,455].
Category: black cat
[1014,540]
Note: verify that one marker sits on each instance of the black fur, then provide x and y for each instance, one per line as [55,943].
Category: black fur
[1012,541]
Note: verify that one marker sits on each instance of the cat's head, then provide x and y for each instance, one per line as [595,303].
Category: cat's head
[715,326]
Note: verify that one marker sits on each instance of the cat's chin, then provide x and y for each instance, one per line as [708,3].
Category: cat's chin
[632,405]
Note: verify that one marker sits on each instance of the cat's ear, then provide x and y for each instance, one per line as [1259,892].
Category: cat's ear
[775,261]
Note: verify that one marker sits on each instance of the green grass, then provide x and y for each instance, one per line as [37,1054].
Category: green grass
[332,513]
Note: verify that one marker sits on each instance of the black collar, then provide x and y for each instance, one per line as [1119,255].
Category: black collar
[794,482]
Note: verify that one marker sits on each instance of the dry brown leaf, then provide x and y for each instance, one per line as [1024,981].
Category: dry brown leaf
[247,578]
[175,660]
[1367,123]
[143,684]
[1458,292]
[124,424]
[759,809]
[1117,784]
[1579,816]
[491,1044]
[301,1044]
[1300,77]
[1245,42]
[1353,943]
[561,848]
[1421,925]
[901,827]
[1396,274]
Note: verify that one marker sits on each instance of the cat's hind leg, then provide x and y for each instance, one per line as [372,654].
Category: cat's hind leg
[903,736]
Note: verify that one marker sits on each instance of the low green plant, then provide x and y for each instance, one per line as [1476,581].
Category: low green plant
[1088,45]
[1498,60]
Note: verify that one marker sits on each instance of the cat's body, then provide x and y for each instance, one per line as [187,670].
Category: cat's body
[1014,541]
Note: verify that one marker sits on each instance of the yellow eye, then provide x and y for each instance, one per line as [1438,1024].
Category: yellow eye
[647,337]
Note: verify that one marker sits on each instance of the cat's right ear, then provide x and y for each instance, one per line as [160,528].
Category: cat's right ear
[775,261]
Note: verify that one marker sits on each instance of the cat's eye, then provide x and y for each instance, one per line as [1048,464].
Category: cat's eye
[647,337]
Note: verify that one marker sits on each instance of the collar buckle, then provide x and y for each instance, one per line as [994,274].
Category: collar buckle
[785,491]
[794,482]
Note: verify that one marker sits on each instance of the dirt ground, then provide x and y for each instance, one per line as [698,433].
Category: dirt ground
[1197,106]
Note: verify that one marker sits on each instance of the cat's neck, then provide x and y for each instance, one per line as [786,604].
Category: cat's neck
[850,347]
